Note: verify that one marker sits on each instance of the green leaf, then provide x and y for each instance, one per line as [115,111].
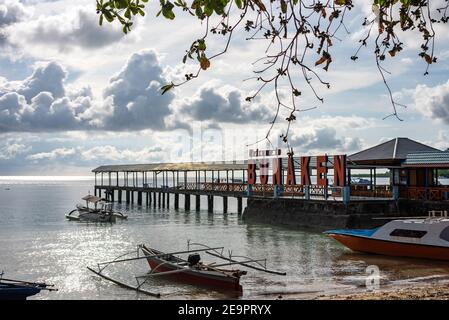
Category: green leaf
[239,3]
[201,44]
[167,87]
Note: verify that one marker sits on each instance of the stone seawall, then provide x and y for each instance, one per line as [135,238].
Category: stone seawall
[334,214]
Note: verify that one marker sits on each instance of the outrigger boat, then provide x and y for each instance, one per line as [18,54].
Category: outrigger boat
[19,290]
[190,270]
[416,238]
[101,212]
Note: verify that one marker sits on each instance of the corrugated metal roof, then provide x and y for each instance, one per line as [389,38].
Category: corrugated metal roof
[182,166]
[199,166]
[395,149]
[427,158]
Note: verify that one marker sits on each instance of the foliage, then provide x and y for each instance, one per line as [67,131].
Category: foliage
[295,31]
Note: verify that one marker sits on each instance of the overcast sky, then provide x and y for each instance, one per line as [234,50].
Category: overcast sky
[74,95]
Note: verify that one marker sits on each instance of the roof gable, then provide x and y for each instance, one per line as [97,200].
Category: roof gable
[394,149]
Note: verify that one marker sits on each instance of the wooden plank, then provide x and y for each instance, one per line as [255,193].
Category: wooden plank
[124,285]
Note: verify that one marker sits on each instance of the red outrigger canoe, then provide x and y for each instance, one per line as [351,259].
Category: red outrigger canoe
[197,274]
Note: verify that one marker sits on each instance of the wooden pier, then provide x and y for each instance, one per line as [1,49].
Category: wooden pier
[155,184]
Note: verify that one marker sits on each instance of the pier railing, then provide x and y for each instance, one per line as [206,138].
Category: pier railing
[425,193]
[380,191]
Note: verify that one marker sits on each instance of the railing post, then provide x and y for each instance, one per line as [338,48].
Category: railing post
[346,194]
[395,192]
[307,192]
[249,191]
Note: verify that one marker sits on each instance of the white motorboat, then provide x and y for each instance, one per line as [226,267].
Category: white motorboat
[100,212]
[417,238]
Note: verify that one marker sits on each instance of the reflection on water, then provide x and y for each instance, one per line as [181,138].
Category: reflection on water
[38,244]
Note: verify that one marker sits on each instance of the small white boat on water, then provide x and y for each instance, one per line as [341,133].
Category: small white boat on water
[416,238]
[100,212]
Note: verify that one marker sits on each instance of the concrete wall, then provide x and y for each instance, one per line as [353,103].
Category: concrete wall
[332,214]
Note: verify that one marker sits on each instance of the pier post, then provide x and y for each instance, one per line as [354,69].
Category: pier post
[168,200]
[119,196]
[127,196]
[139,198]
[132,197]
[154,199]
[159,200]
[95,191]
[176,201]
[163,199]
[197,202]
[210,203]
[186,201]
[112,195]
[225,204]
[239,205]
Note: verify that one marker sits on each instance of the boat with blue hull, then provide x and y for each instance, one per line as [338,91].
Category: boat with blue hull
[20,290]
[416,238]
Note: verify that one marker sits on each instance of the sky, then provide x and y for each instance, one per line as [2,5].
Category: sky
[74,95]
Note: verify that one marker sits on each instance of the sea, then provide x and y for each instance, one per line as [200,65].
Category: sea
[37,243]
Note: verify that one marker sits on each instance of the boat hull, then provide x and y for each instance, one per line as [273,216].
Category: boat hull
[196,277]
[392,248]
[17,292]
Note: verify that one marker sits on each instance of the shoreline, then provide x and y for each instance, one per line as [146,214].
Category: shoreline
[433,290]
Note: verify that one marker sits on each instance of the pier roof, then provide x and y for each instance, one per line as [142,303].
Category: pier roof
[428,159]
[181,166]
[391,152]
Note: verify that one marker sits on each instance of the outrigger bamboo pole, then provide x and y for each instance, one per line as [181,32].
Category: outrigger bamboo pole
[247,265]
[159,255]
[235,262]
[124,285]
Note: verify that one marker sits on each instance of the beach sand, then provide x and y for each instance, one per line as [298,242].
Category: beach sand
[434,290]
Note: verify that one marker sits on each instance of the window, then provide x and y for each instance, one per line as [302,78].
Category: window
[409,233]
[445,234]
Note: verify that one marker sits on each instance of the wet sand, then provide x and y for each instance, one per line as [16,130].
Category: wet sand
[434,290]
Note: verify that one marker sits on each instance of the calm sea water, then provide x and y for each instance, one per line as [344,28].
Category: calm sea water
[37,243]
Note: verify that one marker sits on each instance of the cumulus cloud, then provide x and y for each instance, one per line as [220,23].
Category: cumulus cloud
[323,139]
[134,96]
[77,28]
[47,77]
[225,107]
[132,100]
[433,102]
[56,153]
[39,104]
[94,154]
[115,155]
[12,148]
[11,11]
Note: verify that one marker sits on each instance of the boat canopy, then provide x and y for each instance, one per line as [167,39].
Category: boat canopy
[93,199]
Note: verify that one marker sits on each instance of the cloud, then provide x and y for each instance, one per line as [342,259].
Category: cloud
[77,28]
[134,96]
[11,11]
[92,155]
[132,100]
[56,153]
[433,102]
[114,155]
[11,149]
[323,139]
[224,107]
[38,103]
